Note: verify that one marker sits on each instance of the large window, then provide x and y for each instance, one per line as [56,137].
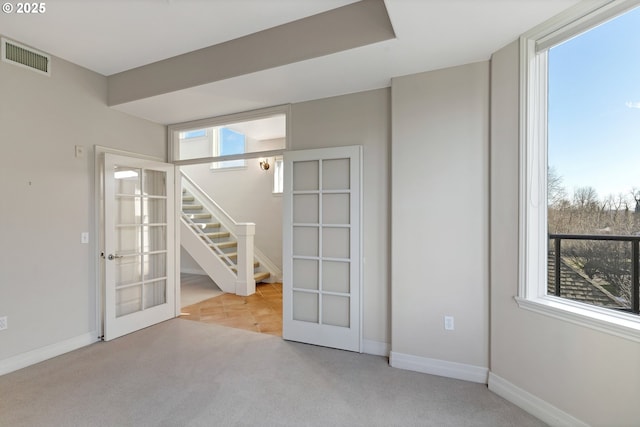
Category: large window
[580,182]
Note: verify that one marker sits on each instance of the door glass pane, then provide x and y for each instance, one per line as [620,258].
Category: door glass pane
[128,270]
[305,274]
[155,211]
[128,300]
[155,183]
[306,209]
[305,307]
[127,240]
[127,210]
[305,241]
[127,180]
[154,238]
[155,293]
[335,209]
[305,176]
[335,174]
[154,266]
[335,276]
[335,310]
[335,242]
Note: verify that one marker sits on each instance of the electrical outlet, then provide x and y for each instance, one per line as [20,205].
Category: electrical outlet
[3,323]
[448,323]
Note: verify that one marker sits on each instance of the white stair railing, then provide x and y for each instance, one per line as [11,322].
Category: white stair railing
[243,233]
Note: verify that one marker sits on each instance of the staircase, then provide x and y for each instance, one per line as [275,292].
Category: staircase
[223,248]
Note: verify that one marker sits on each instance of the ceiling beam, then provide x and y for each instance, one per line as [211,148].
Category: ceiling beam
[355,25]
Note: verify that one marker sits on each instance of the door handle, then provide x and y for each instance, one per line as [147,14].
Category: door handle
[111,257]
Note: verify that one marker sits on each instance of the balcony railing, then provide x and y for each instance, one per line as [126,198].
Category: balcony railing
[634,242]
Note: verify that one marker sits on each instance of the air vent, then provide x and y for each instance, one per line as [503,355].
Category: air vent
[23,56]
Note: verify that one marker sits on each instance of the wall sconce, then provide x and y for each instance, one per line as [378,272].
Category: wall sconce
[264,164]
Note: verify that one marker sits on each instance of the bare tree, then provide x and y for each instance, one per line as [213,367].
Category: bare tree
[556,193]
[586,198]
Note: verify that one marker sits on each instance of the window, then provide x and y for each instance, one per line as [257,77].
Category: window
[241,136]
[580,244]
[278,175]
[227,143]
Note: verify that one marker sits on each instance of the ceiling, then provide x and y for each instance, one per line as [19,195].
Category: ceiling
[112,36]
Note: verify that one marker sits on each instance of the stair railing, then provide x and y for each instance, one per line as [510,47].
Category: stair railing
[194,226]
[243,233]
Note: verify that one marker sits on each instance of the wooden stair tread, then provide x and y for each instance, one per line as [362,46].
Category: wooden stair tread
[259,277]
[217,235]
[191,207]
[226,245]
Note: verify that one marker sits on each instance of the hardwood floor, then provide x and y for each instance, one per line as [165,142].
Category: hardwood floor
[260,312]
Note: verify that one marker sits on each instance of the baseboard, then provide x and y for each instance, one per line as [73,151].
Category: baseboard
[532,404]
[376,348]
[41,354]
[193,271]
[443,368]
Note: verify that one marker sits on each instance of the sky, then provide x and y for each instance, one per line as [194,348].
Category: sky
[594,108]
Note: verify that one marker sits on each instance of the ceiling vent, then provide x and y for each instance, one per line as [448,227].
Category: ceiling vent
[23,56]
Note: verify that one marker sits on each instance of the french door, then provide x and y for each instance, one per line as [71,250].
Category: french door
[322,247]
[139,253]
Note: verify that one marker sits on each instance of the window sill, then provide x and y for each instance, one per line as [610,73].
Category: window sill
[619,324]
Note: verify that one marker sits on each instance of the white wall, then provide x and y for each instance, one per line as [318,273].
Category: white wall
[590,375]
[47,279]
[360,119]
[246,194]
[440,189]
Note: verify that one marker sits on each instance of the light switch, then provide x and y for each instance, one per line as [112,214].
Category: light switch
[84,237]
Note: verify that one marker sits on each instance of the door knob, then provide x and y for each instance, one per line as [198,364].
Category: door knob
[111,257]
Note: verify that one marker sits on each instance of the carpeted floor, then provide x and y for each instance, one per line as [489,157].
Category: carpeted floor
[184,373]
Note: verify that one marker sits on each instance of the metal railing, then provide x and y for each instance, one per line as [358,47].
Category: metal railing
[634,241]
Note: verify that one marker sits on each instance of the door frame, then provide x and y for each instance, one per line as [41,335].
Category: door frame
[98,241]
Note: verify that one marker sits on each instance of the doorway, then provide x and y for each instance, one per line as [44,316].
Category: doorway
[245,190]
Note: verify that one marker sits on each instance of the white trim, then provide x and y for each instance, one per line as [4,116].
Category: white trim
[44,353]
[532,259]
[532,404]
[443,368]
[173,142]
[376,348]
[601,319]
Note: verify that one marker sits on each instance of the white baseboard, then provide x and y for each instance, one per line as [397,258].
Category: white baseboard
[532,404]
[376,348]
[41,354]
[443,368]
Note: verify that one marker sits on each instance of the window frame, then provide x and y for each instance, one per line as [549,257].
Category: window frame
[278,175]
[220,121]
[533,236]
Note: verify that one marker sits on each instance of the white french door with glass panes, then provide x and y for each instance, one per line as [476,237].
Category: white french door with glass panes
[322,247]
[139,254]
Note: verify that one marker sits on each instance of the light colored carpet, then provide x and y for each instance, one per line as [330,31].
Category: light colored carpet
[184,373]
[195,288]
